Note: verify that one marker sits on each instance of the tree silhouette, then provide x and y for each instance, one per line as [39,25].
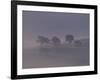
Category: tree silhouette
[43,40]
[69,38]
[77,43]
[56,41]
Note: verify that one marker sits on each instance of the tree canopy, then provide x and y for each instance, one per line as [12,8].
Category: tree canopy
[56,40]
[42,39]
[69,38]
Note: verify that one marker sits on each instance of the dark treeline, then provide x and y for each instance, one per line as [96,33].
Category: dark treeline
[55,41]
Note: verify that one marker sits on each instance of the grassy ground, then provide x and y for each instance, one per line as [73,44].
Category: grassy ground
[55,57]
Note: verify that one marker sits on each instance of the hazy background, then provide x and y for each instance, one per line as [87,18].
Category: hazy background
[51,24]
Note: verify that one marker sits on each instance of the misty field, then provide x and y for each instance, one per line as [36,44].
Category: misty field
[55,57]
[55,39]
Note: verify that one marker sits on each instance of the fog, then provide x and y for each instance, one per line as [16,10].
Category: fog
[50,24]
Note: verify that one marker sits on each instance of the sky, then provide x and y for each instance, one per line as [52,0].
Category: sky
[51,24]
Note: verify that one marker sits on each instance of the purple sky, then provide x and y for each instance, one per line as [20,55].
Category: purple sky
[51,24]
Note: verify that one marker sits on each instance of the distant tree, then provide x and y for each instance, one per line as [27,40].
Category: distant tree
[77,43]
[56,41]
[69,38]
[43,40]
